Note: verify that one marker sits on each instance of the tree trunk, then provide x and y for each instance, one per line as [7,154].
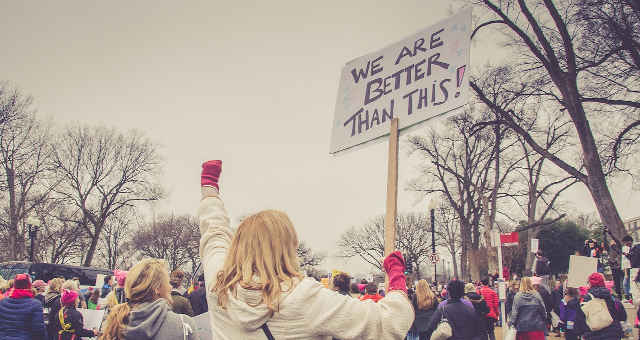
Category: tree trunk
[454,262]
[92,247]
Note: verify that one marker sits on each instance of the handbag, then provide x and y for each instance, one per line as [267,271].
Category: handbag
[443,331]
[597,314]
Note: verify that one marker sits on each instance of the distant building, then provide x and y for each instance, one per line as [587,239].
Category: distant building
[632,226]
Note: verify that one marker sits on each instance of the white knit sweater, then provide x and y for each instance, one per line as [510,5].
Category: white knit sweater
[308,311]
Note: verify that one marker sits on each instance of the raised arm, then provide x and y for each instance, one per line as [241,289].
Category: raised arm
[215,232]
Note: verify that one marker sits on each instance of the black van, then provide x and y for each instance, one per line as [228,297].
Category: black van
[48,271]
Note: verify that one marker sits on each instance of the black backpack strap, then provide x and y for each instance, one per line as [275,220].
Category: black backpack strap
[267,332]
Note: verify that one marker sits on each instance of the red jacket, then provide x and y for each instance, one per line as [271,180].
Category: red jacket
[492,301]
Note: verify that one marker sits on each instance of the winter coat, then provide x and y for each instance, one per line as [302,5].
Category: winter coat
[492,300]
[509,302]
[73,324]
[155,321]
[180,304]
[462,318]
[617,311]
[198,300]
[547,300]
[542,266]
[482,312]
[556,297]
[21,319]
[528,313]
[422,319]
[307,309]
[52,302]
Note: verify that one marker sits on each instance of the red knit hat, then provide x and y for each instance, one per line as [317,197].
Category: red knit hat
[22,281]
[68,297]
[596,280]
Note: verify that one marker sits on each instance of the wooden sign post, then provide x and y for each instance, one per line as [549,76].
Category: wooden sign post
[392,191]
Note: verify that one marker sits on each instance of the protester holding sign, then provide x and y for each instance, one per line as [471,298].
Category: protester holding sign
[258,291]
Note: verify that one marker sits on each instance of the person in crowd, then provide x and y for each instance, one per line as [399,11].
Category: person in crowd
[459,313]
[341,283]
[614,259]
[514,287]
[68,321]
[482,311]
[528,314]
[425,303]
[571,316]
[625,265]
[92,302]
[371,293]
[544,294]
[355,291]
[71,285]
[198,298]
[40,287]
[541,265]
[177,279]
[52,303]
[254,273]
[106,287]
[179,303]
[147,314]
[120,278]
[21,315]
[557,294]
[597,289]
[493,302]
[4,287]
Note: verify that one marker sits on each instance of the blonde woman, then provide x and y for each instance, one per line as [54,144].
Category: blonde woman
[257,291]
[528,314]
[73,285]
[425,303]
[52,305]
[147,313]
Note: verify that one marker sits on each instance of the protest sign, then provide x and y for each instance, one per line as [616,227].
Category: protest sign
[534,245]
[99,280]
[203,326]
[92,318]
[580,267]
[414,79]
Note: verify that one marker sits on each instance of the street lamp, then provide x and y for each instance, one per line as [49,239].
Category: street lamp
[433,204]
[33,224]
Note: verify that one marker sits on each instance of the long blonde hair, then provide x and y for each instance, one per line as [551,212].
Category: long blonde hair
[526,286]
[147,281]
[56,285]
[262,257]
[424,295]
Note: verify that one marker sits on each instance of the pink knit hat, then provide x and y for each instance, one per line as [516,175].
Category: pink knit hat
[38,283]
[68,297]
[121,276]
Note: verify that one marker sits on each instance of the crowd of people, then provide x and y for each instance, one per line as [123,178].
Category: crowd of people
[252,288]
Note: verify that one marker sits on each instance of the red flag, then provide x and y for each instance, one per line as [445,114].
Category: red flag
[510,239]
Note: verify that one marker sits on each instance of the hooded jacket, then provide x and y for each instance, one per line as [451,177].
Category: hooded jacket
[306,311]
[155,321]
[528,313]
[482,311]
[464,322]
[613,331]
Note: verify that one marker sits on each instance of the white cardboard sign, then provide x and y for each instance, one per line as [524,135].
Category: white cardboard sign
[580,267]
[534,245]
[92,318]
[99,281]
[414,79]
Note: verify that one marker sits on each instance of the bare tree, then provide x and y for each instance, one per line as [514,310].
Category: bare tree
[555,65]
[24,152]
[309,259]
[115,247]
[448,232]
[103,171]
[170,238]
[61,240]
[413,239]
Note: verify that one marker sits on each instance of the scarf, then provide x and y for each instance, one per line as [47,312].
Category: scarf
[21,293]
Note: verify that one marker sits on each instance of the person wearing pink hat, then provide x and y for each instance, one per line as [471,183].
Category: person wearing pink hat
[598,290]
[68,321]
[21,315]
[40,287]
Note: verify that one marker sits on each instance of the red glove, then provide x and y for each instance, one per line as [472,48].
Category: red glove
[211,173]
[394,266]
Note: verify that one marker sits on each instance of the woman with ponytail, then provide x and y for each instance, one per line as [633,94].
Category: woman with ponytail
[256,290]
[147,314]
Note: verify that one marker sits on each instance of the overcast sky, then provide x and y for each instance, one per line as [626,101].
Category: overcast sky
[253,83]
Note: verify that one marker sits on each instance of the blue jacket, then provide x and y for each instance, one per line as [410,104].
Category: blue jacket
[21,319]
